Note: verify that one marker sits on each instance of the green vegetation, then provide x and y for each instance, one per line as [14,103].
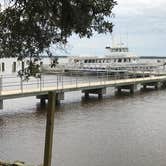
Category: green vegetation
[29,27]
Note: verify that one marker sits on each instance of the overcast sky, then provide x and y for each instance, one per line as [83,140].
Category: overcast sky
[140,23]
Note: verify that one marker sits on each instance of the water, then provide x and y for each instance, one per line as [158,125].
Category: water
[126,130]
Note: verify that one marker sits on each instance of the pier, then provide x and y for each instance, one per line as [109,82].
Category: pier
[53,90]
[93,85]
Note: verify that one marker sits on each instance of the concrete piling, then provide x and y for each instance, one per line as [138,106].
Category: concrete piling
[132,88]
[100,92]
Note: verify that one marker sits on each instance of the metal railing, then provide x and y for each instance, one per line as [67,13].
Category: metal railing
[60,80]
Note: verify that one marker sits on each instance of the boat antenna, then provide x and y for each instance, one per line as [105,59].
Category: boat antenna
[112,36]
[120,38]
[127,39]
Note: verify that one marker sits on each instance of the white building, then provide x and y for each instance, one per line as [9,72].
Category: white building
[10,66]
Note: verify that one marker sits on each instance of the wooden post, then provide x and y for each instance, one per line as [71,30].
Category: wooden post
[49,129]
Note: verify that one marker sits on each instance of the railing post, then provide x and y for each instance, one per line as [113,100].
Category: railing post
[1,84]
[107,74]
[40,82]
[62,81]
[21,84]
[76,82]
[57,81]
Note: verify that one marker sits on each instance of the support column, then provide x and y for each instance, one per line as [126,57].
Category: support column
[133,89]
[98,92]
[49,129]
[164,85]
[42,101]
[86,95]
[1,101]
[1,104]
[144,86]
[119,90]
[158,85]
[100,96]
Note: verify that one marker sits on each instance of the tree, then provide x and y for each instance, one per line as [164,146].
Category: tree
[29,27]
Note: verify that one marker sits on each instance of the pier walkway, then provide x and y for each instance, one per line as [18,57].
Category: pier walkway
[60,85]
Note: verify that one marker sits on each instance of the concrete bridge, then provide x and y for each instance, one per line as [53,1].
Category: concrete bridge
[94,85]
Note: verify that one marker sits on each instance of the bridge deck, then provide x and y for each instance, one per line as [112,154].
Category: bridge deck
[8,94]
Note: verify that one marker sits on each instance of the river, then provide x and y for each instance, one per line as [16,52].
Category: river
[118,130]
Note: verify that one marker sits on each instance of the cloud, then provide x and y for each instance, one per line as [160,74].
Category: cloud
[142,20]
[141,16]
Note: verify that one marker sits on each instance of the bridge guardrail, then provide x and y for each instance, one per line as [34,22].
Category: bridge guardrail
[59,80]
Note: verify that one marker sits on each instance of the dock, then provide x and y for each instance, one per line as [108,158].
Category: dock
[97,85]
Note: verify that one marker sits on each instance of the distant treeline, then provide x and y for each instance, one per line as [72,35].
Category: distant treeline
[152,57]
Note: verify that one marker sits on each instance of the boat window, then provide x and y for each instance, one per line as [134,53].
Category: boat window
[14,67]
[75,60]
[114,60]
[113,50]
[85,61]
[119,60]
[3,66]
[129,60]
[125,60]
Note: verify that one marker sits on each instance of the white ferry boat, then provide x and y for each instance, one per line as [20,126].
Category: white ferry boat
[119,59]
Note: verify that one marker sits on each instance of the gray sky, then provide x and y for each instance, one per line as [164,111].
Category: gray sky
[140,23]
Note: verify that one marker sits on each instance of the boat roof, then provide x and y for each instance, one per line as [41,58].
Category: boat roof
[122,55]
[105,57]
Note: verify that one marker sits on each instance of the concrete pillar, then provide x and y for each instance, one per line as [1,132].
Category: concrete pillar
[144,86]
[43,98]
[157,85]
[49,129]
[164,85]
[42,101]
[119,90]
[98,92]
[133,88]
[86,95]
[1,104]
[100,96]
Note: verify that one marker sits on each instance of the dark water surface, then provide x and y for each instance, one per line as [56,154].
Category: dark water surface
[115,131]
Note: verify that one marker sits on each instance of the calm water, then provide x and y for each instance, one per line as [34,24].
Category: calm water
[115,131]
